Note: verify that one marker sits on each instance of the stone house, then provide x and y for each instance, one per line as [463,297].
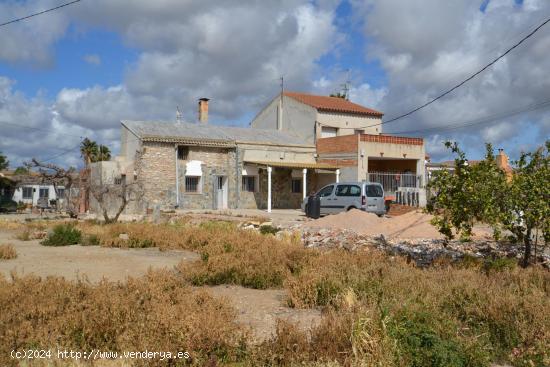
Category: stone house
[298,143]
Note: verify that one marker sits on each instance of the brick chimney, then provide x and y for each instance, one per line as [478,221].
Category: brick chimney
[203,110]
[503,164]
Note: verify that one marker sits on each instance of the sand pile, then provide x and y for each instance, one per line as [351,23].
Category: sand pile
[411,225]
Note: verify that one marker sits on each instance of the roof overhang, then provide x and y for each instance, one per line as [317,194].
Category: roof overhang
[309,165]
[190,141]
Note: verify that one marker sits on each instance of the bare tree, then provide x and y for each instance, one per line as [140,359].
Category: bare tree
[58,176]
[117,196]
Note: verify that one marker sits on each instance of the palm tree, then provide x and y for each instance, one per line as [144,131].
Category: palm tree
[103,154]
[88,151]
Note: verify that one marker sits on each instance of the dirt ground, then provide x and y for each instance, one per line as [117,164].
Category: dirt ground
[256,309]
[260,309]
[86,262]
[411,225]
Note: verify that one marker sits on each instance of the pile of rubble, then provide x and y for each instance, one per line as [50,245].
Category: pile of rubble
[422,250]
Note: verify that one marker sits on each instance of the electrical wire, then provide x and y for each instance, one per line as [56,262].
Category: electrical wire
[529,35]
[479,121]
[39,13]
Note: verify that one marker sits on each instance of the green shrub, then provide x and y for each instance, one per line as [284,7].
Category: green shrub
[499,264]
[268,229]
[63,235]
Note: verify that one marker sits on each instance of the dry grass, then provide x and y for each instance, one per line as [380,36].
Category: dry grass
[438,317]
[379,310]
[156,313]
[7,252]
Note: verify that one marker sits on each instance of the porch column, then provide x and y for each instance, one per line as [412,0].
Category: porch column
[338,175]
[269,189]
[304,183]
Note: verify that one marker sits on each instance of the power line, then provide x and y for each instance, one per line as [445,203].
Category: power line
[39,13]
[480,121]
[38,129]
[465,80]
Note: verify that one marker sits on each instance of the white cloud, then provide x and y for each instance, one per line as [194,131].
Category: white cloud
[232,52]
[92,59]
[427,46]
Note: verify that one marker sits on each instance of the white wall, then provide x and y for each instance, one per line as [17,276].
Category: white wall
[18,194]
[347,123]
[298,118]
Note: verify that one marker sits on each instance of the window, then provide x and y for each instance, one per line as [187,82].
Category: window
[328,132]
[249,183]
[348,190]
[359,131]
[374,191]
[325,191]
[44,193]
[27,192]
[183,153]
[296,185]
[60,193]
[192,183]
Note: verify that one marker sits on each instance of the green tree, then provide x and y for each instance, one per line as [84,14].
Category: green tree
[526,207]
[4,163]
[21,171]
[472,193]
[88,151]
[103,154]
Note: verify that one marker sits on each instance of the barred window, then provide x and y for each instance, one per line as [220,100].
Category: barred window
[192,183]
[44,193]
[297,185]
[27,192]
[249,183]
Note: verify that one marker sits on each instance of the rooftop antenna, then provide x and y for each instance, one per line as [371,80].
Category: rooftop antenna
[178,114]
[346,86]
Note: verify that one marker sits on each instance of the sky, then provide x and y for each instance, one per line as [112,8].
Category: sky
[76,72]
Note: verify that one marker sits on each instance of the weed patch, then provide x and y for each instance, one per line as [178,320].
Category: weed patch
[63,235]
[7,252]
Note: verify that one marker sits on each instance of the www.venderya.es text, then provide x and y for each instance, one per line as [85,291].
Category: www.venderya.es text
[96,354]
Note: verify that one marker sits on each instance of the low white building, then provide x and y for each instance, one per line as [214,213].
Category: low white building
[32,191]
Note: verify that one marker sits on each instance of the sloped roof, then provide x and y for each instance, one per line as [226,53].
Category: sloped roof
[332,104]
[211,134]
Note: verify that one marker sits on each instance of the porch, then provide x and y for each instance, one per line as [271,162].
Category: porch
[284,185]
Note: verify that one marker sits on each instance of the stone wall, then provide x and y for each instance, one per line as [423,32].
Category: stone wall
[156,168]
[215,162]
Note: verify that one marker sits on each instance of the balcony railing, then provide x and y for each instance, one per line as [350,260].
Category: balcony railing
[391,182]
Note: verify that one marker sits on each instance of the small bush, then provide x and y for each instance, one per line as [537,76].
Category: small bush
[91,240]
[140,243]
[24,234]
[499,264]
[7,252]
[268,229]
[63,235]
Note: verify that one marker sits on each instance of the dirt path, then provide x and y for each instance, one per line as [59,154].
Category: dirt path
[260,310]
[92,262]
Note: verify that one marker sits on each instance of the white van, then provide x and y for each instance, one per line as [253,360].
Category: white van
[343,196]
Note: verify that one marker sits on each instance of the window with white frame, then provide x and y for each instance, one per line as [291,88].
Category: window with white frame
[44,193]
[296,185]
[328,132]
[192,184]
[27,192]
[60,193]
[249,183]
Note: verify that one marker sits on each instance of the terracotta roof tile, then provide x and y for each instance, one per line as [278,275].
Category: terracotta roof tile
[332,104]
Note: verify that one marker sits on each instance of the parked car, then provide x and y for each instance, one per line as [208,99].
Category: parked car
[7,205]
[343,196]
